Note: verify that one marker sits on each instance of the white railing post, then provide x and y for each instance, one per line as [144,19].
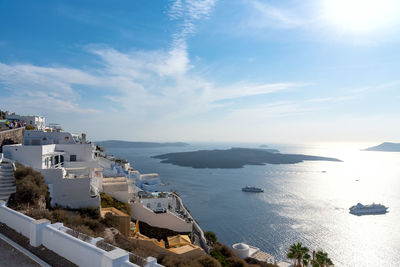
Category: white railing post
[150,262]
[37,226]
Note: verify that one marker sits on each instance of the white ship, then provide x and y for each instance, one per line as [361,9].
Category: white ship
[252,189]
[372,209]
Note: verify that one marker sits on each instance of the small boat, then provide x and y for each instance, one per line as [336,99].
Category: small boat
[372,209]
[252,189]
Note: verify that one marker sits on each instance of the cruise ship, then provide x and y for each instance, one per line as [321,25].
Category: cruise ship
[372,209]
[252,189]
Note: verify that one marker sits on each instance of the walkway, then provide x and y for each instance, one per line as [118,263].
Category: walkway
[11,254]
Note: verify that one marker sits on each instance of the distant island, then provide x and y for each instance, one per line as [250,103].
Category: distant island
[386,146]
[128,144]
[234,158]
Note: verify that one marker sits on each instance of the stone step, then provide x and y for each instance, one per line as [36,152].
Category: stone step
[6,171]
[7,185]
[8,179]
[5,196]
[8,190]
[6,175]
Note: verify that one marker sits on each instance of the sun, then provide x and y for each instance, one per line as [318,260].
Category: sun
[360,16]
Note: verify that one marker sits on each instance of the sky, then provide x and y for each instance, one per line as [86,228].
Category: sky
[206,70]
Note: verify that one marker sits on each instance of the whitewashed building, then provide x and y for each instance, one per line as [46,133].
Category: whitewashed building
[150,182]
[38,122]
[70,169]
[243,251]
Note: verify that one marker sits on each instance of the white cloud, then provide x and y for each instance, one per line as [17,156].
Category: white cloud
[189,12]
[265,15]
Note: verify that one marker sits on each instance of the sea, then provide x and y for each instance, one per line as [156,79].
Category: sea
[306,202]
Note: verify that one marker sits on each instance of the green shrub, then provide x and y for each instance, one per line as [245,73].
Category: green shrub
[108,201]
[208,261]
[60,215]
[29,127]
[110,220]
[93,213]
[211,237]
[31,187]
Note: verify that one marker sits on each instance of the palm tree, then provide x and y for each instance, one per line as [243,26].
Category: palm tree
[299,254]
[306,259]
[322,259]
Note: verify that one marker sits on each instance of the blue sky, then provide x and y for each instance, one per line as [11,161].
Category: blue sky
[206,70]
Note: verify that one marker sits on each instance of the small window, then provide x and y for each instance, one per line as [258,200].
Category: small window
[72,158]
[148,205]
[159,205]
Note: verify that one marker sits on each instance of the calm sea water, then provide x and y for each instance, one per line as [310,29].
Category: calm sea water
[306,202]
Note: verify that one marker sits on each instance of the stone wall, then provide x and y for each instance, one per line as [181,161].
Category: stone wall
[9,137]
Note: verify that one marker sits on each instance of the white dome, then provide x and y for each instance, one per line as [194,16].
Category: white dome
[241,246]
[242,250]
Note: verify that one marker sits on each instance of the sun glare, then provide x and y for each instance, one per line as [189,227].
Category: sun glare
[360,16]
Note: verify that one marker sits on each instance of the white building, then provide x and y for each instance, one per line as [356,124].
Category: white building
[150,182]
[243,251]
[36,121]
[69,168]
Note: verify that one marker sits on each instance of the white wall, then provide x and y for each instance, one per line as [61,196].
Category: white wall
[27,155]
[83,152]
[163,220]
[18,221]
[73,193]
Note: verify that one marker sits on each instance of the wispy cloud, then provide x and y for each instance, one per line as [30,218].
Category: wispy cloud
[330,99]
[265,15]
[378,87]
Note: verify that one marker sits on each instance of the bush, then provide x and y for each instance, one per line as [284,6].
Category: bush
[110,220]
[60,216]
[208,261]
[93,213]
[211,237]
[31,187]
[29,127]
[108,201]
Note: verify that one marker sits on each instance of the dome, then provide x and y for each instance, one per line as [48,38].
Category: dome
[242,250]
[240,246]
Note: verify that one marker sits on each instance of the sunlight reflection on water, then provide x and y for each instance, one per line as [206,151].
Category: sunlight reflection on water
[306,202]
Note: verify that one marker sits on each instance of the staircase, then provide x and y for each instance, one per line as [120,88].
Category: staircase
[7,180]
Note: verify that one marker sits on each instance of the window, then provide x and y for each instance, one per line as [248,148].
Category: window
[72,158]
[148,205]
[159,205]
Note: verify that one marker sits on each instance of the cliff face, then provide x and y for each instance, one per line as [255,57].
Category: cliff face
[13,136]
